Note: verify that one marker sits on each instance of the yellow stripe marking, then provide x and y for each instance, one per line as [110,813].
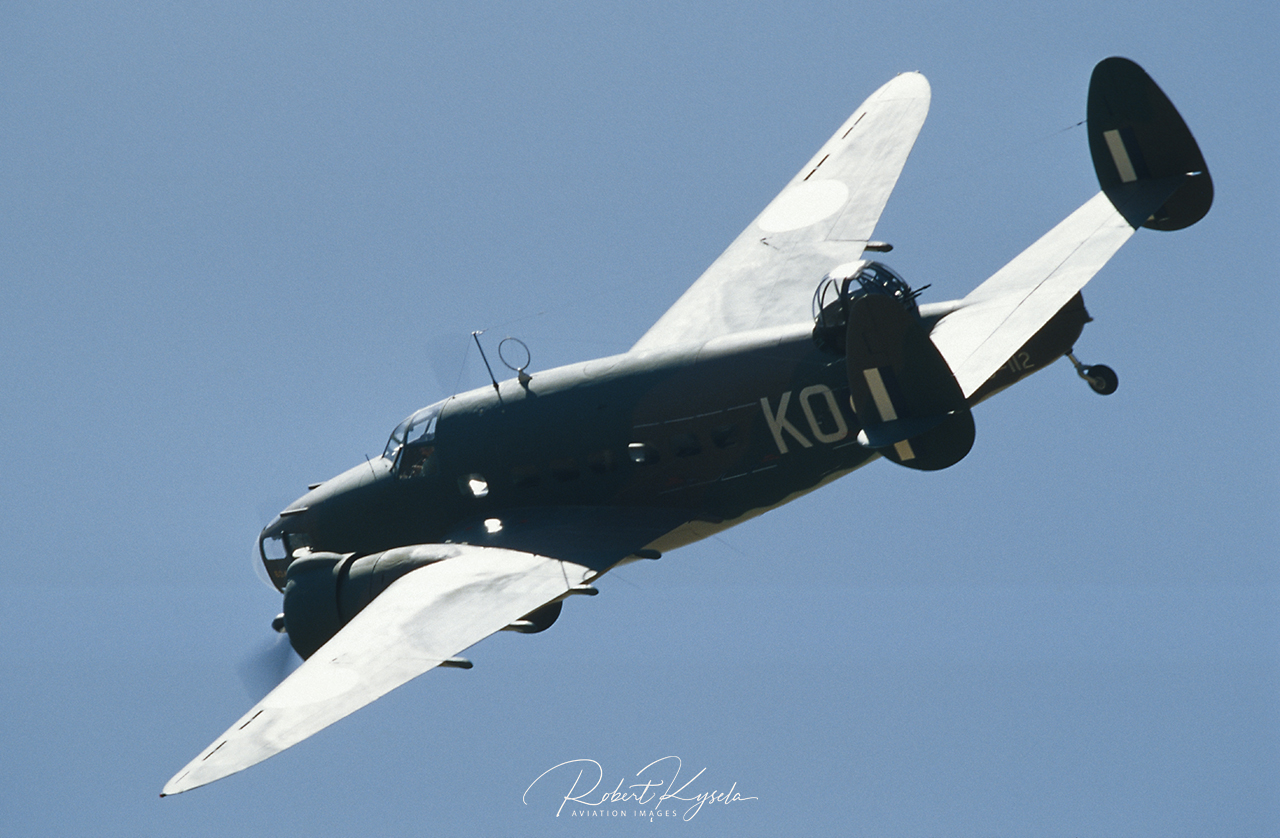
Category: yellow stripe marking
[1120,154]
[880,395]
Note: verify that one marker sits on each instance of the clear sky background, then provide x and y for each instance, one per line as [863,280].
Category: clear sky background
[240,242]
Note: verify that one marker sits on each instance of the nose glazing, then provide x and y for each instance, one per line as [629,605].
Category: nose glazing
[274,553]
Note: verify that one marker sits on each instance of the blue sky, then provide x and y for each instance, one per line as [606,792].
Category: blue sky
[242,241]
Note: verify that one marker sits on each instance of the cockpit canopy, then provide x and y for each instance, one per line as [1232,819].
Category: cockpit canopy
[420,427]
[413,441]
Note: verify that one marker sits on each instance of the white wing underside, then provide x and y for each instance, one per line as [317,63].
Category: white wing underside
[823,218]
[421,620]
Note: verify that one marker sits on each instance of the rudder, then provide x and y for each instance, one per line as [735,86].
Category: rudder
[910,406]
[1139,143]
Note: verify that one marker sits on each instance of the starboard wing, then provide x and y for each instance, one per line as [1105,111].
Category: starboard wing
[823,218]
[423,619]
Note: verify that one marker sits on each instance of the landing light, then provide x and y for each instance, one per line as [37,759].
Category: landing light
[492,525]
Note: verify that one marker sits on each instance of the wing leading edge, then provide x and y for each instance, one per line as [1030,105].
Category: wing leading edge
[421,620]
[823,218]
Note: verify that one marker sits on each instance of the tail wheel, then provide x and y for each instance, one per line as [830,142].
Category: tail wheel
[1102,379]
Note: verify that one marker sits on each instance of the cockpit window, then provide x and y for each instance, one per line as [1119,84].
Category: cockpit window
[412,443]
[418,428]
[416,460]
[397,439]
[422,425]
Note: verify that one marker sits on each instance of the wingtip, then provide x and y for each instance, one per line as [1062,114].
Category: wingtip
[907,85]
[914,77]
[193,777]
[172,787]
[176,786]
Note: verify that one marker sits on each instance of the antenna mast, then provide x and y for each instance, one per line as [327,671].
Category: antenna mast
[476,337]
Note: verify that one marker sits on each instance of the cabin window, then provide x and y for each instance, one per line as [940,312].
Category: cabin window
[642,453]
[685,445]
[474,485]
[419,428]
[725,436]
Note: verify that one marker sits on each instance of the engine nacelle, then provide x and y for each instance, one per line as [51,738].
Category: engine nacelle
[324,591]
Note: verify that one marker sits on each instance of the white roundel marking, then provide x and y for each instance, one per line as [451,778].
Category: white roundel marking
[808,202]
[307,686]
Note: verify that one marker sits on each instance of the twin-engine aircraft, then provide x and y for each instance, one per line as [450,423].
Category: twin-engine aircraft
[792,361]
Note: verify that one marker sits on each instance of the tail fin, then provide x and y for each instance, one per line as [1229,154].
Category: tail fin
[911,408]
[1138,139]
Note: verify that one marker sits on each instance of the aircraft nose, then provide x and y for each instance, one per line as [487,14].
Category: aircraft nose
[324,518]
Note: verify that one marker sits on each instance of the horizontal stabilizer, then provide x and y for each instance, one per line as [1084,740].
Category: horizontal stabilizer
[1152,175]
[908,402]
[1138,138]
[1009,309]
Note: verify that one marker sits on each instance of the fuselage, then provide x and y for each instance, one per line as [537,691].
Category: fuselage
[699,437]
[712,433]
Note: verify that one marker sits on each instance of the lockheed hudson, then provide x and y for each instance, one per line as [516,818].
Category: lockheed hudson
[792,361]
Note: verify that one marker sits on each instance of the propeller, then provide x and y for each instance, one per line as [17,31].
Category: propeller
[262,669]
